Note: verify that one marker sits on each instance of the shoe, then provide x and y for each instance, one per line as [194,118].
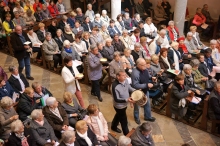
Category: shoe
[93,93]
[100,99]
[191,117]
[155,103]
[30,78]
[116,130]
[138,122]
[152,119]
[160,100]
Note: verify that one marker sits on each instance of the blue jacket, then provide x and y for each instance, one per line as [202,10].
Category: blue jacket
[71,22]
[6,90]
[112,31]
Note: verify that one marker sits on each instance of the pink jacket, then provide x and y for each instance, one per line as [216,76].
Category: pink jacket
[199,20]
[95,128]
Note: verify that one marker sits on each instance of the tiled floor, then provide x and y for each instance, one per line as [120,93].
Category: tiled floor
[166,132]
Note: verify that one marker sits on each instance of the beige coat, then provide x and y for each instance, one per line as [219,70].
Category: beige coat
[50,49]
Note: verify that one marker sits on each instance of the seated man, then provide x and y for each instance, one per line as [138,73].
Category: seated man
[205,12]
[140,9]
[78,28]
[90,13]
[160,13]
[39,15]
[214,104]
[97,21]
[109,48]
[80,16]
[19,20]
[142,135]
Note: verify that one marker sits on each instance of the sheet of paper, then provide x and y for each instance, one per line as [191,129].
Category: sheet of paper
[196,100]
[27,43]
[14,96]
[77,63]
[43,99]
[176,72]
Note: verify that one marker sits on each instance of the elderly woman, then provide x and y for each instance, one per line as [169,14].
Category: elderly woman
[41,33]
[29,18]
[61,7]
[109,50]
[69,74]
[163,35]
[86,39]
[105,32]
[165,62]
[52,51]
[68,139]
[155,65]
[7,116]
[19,135]
[84,135]
[56,116]
[18,8]
[18,20]
[53,9]
[120,23]
[52,28]
[63,22]
[74,111]
[183,50]
[27,104]
[104,18]
[40,91]
[59,38]
[36,43]
[87,24]
[80,46]
[116,65]
[128,59]
[149,28]
[98,125]
[147,52]
[118,44]
[173,31]
[195,37]
[97,21]
[95,36]
[215,52]
[175,56]
[95,71]
[5,89]
[41,129]
[71,20]
[68,34]
[128,22]
[126,39]
[137,52]
[69,51]
[124,141]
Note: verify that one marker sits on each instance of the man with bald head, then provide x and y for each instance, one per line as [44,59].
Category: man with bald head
[140,81]
[21,50]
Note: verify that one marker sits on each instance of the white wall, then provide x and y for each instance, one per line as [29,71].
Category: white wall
[214,6]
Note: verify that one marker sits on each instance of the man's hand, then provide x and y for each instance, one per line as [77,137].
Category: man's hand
[189,91]
[75,115]
[150,85]
[105,138]
[131,100]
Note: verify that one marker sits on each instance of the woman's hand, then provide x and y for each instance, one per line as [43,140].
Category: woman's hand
[65,127]
[75,115]
[189,56]
[37,101]
[204,79]
[189,91]
[173,64]
[15,117]
[105,138]
[197,92]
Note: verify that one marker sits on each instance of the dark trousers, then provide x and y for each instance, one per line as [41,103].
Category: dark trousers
[121,117]
[25,62]
[96,88]
[38,50]
[57,59]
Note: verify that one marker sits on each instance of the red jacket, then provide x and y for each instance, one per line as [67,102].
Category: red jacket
[199,20]
[171,32]
[37,5]
[53,10]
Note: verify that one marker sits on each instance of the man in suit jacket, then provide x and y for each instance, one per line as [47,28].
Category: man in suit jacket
[77,28]
[22,51]
[39,15]
[17,80]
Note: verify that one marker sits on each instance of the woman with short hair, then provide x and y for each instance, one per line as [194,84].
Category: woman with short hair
[69,51]
[80,46]
[86,39]
[40,91]
[41,129]
[175,56]
[68,139]
[7,116]
[173,31]
[84,135]
[5,89]
[68,34]
[124,141]
[41,33]
[59,38]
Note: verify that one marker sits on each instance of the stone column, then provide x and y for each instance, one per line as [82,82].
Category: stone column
[115,8]
[67,3]
[179,14]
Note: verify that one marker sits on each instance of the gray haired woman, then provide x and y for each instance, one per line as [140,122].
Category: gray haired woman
[41,129]
[68,139]
[7,116]
[124,141]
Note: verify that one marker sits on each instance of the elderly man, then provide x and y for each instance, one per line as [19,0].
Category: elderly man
[140,81]
[165,43]
[80,16]
[190,44]
[215,52]
[205,12]
[90,13]
[22,50]
[77,29]
[142,136]
[120,91]
[214,103]
[97,21]
[109,50]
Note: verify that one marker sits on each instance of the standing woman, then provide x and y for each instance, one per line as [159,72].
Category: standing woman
[70,79]
[95,71]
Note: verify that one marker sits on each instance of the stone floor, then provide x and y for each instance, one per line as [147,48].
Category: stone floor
[166,132]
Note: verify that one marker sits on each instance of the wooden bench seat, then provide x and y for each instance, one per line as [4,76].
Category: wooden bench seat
[130,133]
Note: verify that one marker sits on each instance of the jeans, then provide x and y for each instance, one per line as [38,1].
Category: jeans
[147,109]
[96,88]
[120,116]
[25,62]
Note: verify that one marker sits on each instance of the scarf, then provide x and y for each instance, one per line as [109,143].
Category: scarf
[68,50]
[85,137]
[56,113]
[101,128]
[41,123]
[183,47]
[189,80]
[69,144]
[166,61]
[23,139]
[11,24]
[73,35]
[175,35]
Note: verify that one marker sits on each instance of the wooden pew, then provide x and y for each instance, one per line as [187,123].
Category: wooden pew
[130,133]
[205,117]
[9,45]
[168,112]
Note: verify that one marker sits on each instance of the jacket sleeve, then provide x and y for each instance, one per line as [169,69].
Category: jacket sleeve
[93,64]
[105,125]
[15,45]
[135,82]
[52,134]
[6,27]
[3,74]
[177,94]
[25,107]
[111,70]
[201,70]
[67,79]
[5,122]
[196,20]
[215,105]
[170,55]
[37,137]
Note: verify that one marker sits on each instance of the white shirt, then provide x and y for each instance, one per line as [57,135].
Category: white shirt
[149,28]
[91,15]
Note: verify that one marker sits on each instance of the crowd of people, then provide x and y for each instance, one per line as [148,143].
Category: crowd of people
[137,54]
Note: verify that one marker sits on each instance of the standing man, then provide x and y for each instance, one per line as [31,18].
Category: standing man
[22,51]
[121,97]
[140,81]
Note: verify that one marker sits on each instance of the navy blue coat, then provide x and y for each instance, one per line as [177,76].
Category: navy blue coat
[71,22]
[112,32]
[7,92]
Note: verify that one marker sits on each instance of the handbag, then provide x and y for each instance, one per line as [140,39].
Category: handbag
[81,114]
[155,87]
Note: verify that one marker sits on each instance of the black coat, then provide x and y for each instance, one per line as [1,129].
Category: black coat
[203,69]
[80,18]
[61,25]
[25,106]
[118,46]
[68,37]
[41,36]
[52,29]
[16,84]
[87,44]
[19,51]
[59,42]
[86,27]
[91,136]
